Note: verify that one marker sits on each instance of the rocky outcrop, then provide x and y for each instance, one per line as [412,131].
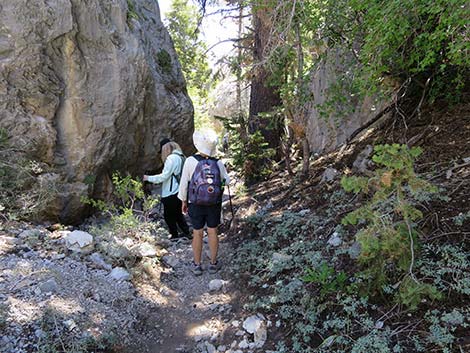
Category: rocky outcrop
[89,87]
[335,112]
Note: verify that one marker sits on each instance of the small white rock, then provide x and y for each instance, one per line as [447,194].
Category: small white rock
[171,261]
[210,348]
[335,240]
[145,250]
[99,262]
[329,175]
[215,285]
[79,241]
[119,274]
[70,324]
[252,323]
[49,286]
[9,240]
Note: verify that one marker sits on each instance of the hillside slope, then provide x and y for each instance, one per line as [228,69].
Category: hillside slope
[310,274]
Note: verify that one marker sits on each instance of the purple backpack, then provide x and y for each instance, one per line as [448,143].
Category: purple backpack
[205,187]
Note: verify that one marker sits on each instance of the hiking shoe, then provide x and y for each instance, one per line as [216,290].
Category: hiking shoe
[196,269]
[214,268]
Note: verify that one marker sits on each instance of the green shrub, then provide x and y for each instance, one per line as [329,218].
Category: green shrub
[389,242]
[418,39]
[129,205]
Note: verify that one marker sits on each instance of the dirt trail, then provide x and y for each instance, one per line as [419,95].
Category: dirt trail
[186,315]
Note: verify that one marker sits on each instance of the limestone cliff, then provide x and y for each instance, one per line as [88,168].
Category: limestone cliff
[89,87]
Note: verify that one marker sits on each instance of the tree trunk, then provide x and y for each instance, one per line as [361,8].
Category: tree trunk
[300,116]
[241,118]
[264,98]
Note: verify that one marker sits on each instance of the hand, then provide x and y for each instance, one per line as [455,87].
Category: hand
[145,178]
[184,207]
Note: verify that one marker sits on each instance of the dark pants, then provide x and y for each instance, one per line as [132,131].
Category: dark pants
[173,215]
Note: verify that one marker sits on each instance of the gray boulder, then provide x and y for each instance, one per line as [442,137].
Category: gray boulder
[89,88]
[330,122]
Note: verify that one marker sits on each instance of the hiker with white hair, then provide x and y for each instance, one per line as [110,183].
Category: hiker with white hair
[202,183]
[170,178]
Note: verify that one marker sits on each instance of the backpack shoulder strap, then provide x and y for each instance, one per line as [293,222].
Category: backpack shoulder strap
[177,176]
[198,157]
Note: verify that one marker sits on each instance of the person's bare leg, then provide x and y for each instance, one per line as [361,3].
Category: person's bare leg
[213,243]
[197,245]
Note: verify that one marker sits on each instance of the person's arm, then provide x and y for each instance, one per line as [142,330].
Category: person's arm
[165,174]
[185,178]
[183,190]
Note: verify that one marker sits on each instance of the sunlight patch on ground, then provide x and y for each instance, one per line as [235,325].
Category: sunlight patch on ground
[205,330]
[65,306]
[150,293]
[22,311]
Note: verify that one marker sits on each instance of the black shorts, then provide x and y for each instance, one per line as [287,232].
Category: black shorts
[204,215]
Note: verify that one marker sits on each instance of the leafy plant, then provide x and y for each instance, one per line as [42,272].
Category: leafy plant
[325,276]
[411,293]
[129,225]
[448,267]
[461,218]
[129,205]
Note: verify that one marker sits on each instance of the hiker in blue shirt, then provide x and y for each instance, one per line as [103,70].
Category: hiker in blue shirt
[173,160]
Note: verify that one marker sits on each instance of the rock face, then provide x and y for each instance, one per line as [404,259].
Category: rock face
[330,125]
[89,88]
